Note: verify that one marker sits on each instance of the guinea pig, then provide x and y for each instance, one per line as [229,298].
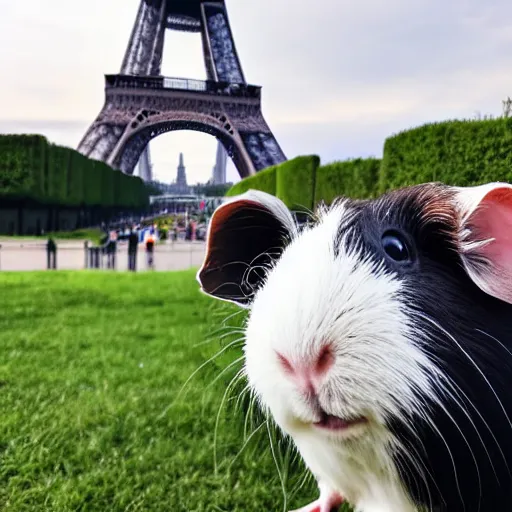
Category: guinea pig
[379,338]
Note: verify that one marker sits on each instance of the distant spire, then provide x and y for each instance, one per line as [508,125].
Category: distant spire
[181,177]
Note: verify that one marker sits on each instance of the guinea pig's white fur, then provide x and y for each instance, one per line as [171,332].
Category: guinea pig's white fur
[312,296]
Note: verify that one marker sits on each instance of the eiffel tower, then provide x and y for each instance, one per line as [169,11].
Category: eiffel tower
[141,104]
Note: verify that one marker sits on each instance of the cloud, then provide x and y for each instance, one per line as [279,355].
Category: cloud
[338,76]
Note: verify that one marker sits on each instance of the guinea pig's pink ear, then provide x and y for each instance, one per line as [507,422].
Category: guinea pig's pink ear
[245,238]
[486,236]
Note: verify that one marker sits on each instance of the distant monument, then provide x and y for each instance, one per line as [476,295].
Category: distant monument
[219,169]
[141,104]
[180,186]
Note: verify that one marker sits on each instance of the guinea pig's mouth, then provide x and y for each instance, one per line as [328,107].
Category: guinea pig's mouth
[329,422]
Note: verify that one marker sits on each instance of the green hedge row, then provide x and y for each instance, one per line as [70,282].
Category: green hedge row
[23,166]
[458,153]
[32,168]
[301,183]
[293,181]
[354,178]
[264,180]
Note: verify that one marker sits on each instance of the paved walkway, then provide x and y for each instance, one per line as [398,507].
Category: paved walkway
[31,255]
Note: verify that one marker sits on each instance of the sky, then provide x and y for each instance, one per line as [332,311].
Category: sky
[338,76]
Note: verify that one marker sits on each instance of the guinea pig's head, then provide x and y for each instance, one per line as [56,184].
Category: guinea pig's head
[351,318]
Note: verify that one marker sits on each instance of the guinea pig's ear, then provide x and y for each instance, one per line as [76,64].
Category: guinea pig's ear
[485,236]
[246,236]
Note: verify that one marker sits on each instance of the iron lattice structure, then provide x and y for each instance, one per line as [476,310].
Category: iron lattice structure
[141,104]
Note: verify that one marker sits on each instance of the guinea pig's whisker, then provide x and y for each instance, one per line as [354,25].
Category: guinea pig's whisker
[234,380]
[246,443]
[416,463]
[443,408]
[279,472]
[217,337]
[471,360]
[495,339]
[249,416]
[207,362]
[242,393]
[457,389]
[450,454]
[227,368]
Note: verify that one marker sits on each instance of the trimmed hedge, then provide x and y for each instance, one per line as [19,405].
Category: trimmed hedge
[461,153]
[301,184]
[264,180]
[295,183]
[78,167]
[353,178]
[22,166]
[458,153]
[32,168]
[57,174]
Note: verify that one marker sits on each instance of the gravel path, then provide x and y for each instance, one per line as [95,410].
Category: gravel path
[31,255]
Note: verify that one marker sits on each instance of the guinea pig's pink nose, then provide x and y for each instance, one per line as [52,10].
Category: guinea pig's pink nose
[309,372]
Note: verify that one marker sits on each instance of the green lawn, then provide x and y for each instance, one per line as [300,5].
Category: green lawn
[92,234]
[91,419]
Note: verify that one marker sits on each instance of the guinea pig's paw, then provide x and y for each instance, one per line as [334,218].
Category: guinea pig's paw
[328,502]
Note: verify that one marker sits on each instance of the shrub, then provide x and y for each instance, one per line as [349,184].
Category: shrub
[264,180]
[76,178]
[454,152]
[57,174]
[22,166]
[32,168]
[352,178]
[163,233]
[295,183]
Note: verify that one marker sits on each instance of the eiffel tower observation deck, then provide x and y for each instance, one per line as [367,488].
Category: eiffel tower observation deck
[141,104]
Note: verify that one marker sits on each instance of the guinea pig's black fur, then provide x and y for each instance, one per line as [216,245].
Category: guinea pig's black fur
[464,455]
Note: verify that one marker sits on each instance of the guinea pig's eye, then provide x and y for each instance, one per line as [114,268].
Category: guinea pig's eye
[395,246]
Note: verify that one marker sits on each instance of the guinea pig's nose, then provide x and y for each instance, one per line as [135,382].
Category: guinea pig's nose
[309,371]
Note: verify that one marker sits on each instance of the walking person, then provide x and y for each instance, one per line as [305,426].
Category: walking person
[112,249]
[133,245]
[150,247]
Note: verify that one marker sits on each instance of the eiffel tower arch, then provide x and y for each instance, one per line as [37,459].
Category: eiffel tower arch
[141,104]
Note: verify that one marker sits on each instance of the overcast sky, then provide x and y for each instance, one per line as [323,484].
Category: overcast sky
[338,76]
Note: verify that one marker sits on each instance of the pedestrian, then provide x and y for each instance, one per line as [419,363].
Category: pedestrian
[150,246]
[133,244]
[112,249]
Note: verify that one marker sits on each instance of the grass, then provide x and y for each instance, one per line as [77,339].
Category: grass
[91,418]
[92,234]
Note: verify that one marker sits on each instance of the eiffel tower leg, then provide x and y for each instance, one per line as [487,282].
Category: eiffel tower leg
[263,149]
[145,171]
[101,138]
[144,52]
[143,56]
[221,58]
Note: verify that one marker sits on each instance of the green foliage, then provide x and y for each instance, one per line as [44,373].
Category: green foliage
[264,180]
[22,166]
[458,153]
[357,179]
[295,183]
[210,190]
[59,159]
[461,153]
[292,181]
[97,413]
[76,178]
[32,168]
[92,234]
